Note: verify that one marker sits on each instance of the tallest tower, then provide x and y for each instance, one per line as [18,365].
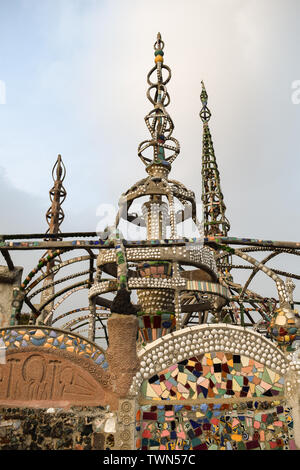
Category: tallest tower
[215,221]
[172,277]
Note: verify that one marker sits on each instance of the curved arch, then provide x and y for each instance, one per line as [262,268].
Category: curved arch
[54,269]
[83,324]
[72,322]
[60,281]
[70,292]
[255,271]
[81,309]
[183,344]
[62,291]
[42,262]
[283,297]
[43,337]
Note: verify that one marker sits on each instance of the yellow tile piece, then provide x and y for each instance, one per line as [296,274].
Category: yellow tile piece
[245,361]
[235,386]
[182,378]
[165,394]
[216,360]
[280,320]
[271,375]
[39,334]
[236,437]
[150,392]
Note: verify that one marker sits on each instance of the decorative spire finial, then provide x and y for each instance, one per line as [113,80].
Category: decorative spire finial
[55,215]
[165,147]
[205,113]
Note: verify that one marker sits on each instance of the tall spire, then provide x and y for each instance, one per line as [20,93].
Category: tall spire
[165,147]
[215,221]
[54,216]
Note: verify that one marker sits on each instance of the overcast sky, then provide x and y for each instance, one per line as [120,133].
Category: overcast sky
[74,74]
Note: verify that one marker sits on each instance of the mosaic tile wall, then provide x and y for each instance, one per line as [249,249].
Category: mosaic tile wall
[214,375]
[51,338]
[152,327]
[243,426]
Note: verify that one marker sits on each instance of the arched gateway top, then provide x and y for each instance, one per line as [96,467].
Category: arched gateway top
[203,339]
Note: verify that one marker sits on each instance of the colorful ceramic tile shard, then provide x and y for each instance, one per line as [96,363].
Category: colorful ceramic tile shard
[257,426]
[214,375]
[152,327]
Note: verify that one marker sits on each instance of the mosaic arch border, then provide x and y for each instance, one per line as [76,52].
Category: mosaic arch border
[182,344]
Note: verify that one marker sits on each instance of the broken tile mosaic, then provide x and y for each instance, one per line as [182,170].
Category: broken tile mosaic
[214,375]
[246,426]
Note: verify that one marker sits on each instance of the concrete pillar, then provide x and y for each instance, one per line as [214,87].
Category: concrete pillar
[121,353]
[8,281]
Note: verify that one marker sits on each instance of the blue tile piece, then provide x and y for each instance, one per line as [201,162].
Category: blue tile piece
[178,407]
[38,342]
[99,360]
